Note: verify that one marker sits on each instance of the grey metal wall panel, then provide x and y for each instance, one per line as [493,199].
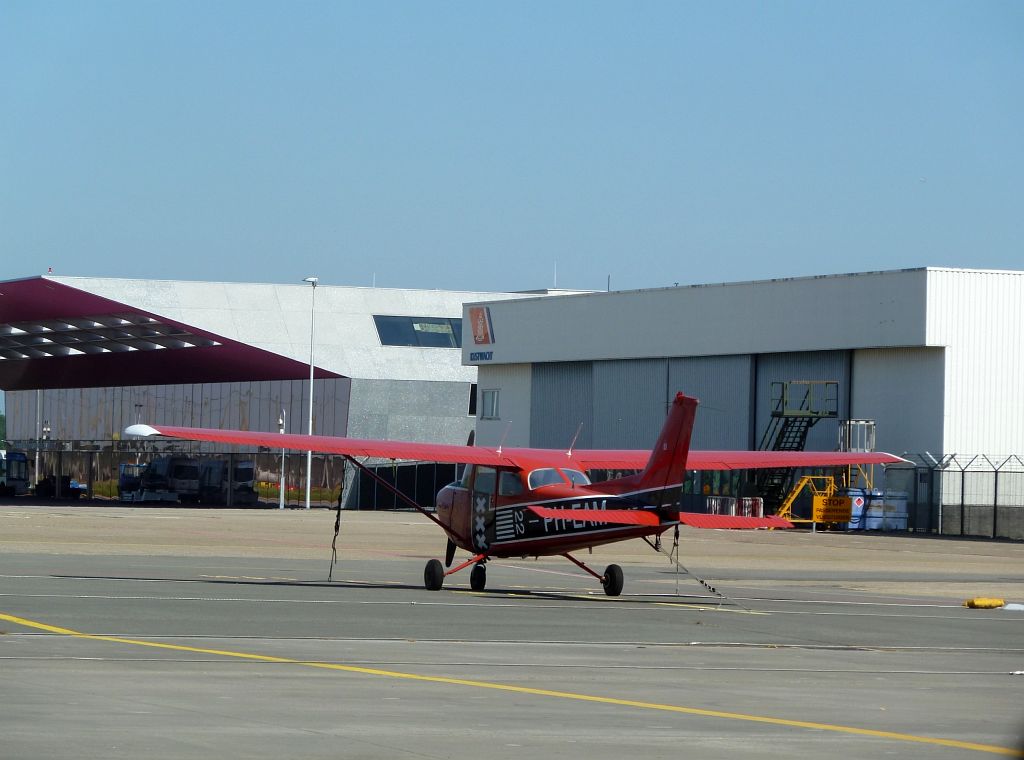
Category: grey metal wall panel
[804,365]
[340,395]
[629,403]
[563,400]
[102,414]
[722,384]
[902,390]
[410,411]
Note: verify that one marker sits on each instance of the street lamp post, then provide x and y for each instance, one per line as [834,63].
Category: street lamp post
[280,482]
[46,444]
[39,430]
[312,329]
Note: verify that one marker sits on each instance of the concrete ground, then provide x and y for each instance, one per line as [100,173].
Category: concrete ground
[191,633]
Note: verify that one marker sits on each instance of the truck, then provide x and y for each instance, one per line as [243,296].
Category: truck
[170,478]
[213,482]
[13,473]
[129,481]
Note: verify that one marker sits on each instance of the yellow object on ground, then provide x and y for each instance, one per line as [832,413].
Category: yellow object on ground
[982,603]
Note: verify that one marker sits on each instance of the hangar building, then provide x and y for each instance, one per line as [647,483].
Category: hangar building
[934,356]
[83,358]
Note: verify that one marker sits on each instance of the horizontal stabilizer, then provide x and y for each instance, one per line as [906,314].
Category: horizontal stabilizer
[733,522]
[613,516]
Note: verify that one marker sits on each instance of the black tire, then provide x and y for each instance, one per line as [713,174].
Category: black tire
[478,577]
[433,575]
[612,580]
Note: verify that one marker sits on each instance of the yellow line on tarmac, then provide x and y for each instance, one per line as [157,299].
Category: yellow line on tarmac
[992,749]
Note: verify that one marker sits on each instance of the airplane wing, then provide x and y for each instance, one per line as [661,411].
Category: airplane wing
[585,459]
[625,459]
[356,447]
[753,460]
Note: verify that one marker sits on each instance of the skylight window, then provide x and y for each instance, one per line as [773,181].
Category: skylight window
[423,332]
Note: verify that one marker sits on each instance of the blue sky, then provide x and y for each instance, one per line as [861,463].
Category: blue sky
[480,145]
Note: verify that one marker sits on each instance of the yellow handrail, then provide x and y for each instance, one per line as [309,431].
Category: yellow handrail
[828,488]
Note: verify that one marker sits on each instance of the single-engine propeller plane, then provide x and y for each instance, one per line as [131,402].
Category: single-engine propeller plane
[521,502]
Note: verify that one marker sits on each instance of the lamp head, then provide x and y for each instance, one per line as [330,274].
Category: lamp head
[311,280]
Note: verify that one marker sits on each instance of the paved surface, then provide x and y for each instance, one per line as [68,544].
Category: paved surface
[172,633]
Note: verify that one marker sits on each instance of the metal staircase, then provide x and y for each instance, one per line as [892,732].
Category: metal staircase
[796,406]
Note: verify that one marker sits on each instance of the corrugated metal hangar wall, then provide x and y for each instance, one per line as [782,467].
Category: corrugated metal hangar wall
[622,403]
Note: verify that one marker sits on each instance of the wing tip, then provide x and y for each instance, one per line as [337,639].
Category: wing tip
[143,430]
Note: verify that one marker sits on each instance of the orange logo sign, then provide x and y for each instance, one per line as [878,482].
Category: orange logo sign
[480,321]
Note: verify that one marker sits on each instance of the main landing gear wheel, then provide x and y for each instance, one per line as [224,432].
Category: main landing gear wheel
[478,577]
[612,580]
[433,575]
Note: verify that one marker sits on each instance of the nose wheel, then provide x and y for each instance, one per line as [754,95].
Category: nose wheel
[433,575]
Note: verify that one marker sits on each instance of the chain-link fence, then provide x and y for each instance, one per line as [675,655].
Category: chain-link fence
[955,496]
[182,474]
[962,495]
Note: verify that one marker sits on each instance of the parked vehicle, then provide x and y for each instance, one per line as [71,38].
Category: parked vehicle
[170,478]
[129,481]
[214,482]
[69,488]
[13,473]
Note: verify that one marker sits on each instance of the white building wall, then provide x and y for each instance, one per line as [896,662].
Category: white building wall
[876,309]
[513,382]
[276,318]
[979,317]
[902,390]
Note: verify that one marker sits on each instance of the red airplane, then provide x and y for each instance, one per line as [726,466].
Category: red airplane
[520,502]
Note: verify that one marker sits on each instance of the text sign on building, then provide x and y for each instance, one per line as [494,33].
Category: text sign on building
[832,509]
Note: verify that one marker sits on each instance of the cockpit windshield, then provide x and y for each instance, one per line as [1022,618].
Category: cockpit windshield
[551,476]
[576,477]
[546,476]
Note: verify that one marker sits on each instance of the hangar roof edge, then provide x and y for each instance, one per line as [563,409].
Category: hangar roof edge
[780,280]
[272,320]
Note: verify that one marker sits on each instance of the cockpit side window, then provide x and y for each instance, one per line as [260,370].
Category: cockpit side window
[547,476]
[509,484]
[485,480]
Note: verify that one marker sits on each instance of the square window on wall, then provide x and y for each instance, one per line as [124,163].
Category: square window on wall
[489,404]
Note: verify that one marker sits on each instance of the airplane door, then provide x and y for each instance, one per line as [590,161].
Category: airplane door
[484,483]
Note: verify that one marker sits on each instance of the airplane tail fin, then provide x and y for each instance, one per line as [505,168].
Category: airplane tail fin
[667,465]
